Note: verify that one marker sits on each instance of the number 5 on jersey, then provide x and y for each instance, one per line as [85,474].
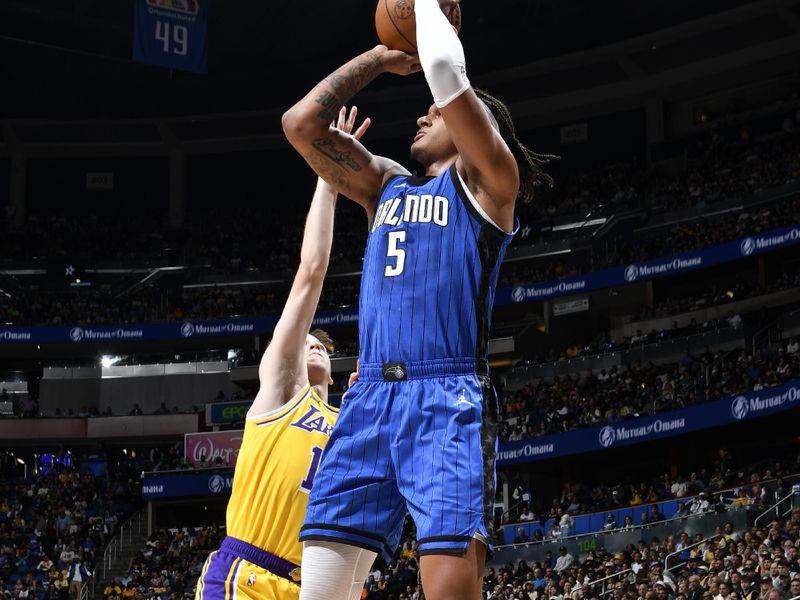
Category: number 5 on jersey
[394,251]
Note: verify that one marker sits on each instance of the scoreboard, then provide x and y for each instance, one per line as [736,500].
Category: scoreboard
[172,34]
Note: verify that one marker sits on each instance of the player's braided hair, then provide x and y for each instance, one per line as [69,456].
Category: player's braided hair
[531,173]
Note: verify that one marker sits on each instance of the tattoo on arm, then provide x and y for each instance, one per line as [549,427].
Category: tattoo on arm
[341,156]
[331,172]
[329,106]
[341,85]
[333,157]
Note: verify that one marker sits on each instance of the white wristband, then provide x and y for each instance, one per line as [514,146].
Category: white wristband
[440,53]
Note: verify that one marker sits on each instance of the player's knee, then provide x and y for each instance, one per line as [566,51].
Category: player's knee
[333,571]
[451,588]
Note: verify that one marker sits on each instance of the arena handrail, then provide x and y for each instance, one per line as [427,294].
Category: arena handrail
[115,544]
[776,505]
[86,592]
[590,534]
[623,348]
[593,583]
[677,552]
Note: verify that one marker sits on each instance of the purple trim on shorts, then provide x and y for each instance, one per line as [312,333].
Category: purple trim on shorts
[266,560]
[215,576]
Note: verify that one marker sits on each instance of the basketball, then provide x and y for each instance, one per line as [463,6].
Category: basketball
[397,27]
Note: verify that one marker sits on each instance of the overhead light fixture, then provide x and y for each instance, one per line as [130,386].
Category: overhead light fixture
[107,361]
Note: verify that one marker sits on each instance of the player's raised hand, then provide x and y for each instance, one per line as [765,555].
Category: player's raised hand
[354,375]
[397,61]
[346,123]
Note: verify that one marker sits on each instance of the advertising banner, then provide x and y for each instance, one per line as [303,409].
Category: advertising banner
[633,273]
[651,269]
[211,482]
[227,413]
[645,429]
[207,447]
[162,331]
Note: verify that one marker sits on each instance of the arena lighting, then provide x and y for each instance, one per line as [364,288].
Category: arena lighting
[197,286]
[107,361]
[577,224]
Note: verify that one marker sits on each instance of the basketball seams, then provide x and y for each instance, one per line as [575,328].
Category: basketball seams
[394,24]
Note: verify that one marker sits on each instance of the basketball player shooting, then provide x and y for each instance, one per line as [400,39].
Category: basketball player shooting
[419,428]
[285,432]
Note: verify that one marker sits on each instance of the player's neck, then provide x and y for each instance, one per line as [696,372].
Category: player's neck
[321,391]
[438,167]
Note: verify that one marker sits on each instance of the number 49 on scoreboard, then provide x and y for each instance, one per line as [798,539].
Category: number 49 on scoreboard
[172,33]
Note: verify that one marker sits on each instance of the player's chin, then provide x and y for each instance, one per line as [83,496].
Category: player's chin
[417,151]
[319,371]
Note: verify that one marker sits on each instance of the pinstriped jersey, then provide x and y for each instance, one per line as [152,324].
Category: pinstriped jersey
[280,453]
[430,272]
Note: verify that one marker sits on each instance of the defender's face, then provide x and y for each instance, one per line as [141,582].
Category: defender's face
[317,361]
[432,141]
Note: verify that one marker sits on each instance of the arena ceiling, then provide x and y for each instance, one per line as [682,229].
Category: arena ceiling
[67,59]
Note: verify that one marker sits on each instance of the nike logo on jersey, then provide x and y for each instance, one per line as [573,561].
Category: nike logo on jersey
[417,209]
[312,421]
[401,185]
[462,399]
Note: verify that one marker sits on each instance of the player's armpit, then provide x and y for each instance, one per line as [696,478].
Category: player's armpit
[485,156]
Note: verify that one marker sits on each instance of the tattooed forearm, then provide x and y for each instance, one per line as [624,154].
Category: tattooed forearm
[330,106]
[341,156]
[332,173]
[340,86]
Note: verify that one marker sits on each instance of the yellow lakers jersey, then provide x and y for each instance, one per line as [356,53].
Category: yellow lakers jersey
[279,456]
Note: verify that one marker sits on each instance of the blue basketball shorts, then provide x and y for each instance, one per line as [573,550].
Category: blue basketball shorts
[416,438]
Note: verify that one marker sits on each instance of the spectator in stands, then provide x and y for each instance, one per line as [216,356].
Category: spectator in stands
[564,560]
[111,588]
[78,576]
[700,504]
[680,488]
[527,514]
[521,537]
[566,523]
[68,555]
[655,514]
[45,565]
[610,524]
[521,494]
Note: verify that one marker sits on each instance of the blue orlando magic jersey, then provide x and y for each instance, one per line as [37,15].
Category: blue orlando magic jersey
[430,272]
